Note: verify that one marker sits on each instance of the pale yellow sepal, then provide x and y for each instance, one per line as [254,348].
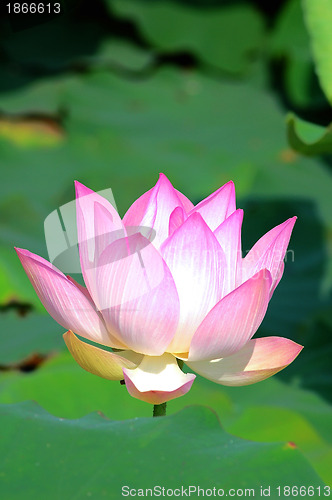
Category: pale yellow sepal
[105,364]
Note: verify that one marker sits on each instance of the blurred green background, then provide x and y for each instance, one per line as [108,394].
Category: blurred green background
[111,93]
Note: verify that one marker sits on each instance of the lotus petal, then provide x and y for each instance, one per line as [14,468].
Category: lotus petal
[228,235]
[153,210]
[177,218]
[218,206]
[196,262]
[257,360]
[63,299]
[268,252]
[99,362]
[233,321]
[157,379]
[138,296]
[97,220]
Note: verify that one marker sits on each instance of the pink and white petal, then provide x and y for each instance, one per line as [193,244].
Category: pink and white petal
[81,288]
[268,252]
[177,218]
[228,235]
[105,232]
[138,295]
[163,201]
[86,202]
[277,278]
[233,321]
[99,362]
[62,299]
[158,379]
[154,211]
[256,361]
[186,203]
[196,262]
[113,340]
[136,211]
[218,206]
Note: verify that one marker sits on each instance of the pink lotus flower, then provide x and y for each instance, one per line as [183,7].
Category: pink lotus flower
[167,283]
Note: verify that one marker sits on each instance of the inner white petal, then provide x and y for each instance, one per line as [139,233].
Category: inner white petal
[158,373]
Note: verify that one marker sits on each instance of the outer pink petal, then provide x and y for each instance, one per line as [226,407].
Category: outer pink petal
[196,261]
[277,278]
[82,288]
[218,206]
[112,334]
[186,203]
[233,321]
[90,207]
[268,252]
[105,230]
[154,208]
[258,360]
[137,295]
[177,218]
[157,379]
[62,299]
[229,236]
[135,213]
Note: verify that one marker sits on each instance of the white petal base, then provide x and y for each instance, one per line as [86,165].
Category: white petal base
[157,379]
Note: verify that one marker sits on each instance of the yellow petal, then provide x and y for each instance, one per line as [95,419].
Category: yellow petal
[105,364]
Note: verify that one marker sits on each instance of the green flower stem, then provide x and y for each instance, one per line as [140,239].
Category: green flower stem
[159,410]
